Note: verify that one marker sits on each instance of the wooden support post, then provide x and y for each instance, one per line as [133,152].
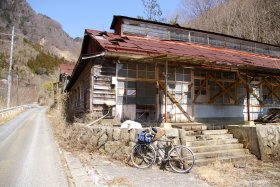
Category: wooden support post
[248,101]
[247,86]
[166,86]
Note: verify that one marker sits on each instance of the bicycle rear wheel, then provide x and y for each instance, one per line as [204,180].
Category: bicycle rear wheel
[181,159]
[143,155]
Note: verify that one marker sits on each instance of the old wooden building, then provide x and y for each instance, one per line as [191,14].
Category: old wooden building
[148,71]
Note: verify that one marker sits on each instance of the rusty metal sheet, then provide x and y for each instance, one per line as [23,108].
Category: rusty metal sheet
[144,45]
[66,69]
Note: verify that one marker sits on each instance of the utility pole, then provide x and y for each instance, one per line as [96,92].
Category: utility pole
[10,70]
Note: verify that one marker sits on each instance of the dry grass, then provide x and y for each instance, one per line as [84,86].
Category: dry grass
[66,135]
[244,173]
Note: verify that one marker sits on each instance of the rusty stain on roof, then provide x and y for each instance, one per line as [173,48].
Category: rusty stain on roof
[150,46]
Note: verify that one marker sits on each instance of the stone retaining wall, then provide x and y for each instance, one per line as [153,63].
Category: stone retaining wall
[262,140]
[269,141]
[113,141]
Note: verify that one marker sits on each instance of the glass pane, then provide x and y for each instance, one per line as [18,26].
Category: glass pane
[131,74]
[131,100]
[180,70]
[171,77]
[122,73]
[131,84]
[179,77]
[187,78]
[150,67]
[151,75]
[141,66]
[131,66]
[122,66]
[197,82]
[141,74]
[140,92]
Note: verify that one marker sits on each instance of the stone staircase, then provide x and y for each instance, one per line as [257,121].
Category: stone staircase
[211,145]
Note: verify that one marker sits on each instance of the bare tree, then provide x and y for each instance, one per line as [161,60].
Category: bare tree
[251,19]
[152,11]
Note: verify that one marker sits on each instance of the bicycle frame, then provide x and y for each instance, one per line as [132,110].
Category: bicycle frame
[165,150]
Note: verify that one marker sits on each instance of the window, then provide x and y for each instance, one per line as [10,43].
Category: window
[200,38]
[140,93]
[233,44]
[134,29]
[172,33]
[126,92]
[179,35]
[217,40]
[140,71]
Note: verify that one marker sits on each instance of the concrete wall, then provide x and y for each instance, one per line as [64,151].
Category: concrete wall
[262,140]
[248,136]
[207,111]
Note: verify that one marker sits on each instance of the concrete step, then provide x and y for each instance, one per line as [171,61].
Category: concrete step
[207,148]
[210,142]
[202,162]
[221,153]
[214,136]
[209,132]
[190,126]
[192,133]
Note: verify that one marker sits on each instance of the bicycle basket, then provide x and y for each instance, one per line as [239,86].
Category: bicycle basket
[144,137]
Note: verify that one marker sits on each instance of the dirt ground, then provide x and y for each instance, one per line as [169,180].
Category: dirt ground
[253,173]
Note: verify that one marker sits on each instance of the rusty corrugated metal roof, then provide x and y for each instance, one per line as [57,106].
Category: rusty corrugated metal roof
[151,46]
[66,69]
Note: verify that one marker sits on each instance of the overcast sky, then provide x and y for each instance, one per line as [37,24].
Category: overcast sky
[77,15]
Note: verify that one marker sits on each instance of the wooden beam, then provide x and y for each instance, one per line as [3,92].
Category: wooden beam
[200,88]
[271,89]
[166,73]
[222,92]
[222,86]
[248,103]
[246,85]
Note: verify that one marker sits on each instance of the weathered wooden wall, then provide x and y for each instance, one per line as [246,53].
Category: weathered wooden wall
[103,89]
[79,95]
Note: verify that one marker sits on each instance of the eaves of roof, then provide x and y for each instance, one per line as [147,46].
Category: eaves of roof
[153,47]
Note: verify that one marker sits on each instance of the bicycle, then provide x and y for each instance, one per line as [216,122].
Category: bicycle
[180,158]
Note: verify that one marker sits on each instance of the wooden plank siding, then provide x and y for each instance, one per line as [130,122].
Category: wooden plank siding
[103,89]
[79,96]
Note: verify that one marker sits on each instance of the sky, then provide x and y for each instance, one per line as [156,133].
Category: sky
[77,15]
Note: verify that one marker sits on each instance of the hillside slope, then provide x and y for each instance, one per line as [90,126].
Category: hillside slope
[251,19]
[40,46]
[38,28]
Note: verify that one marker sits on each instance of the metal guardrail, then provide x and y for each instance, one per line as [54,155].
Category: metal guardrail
[14,110]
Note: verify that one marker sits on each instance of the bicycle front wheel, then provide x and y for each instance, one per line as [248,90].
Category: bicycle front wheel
[181,159]
[143,155]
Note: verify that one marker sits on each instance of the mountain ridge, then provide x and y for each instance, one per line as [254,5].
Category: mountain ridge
[38,28]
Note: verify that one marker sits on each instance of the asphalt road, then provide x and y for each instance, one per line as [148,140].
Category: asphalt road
[28,154]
